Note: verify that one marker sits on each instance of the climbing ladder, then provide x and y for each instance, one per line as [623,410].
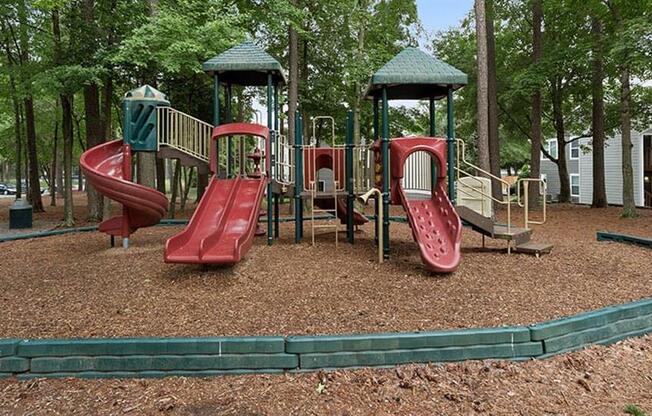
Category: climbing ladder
[312,186]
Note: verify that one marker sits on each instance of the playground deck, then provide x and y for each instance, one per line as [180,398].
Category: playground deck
[95,291]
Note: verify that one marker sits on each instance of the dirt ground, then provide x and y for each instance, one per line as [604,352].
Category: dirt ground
[599,381]
[75,285]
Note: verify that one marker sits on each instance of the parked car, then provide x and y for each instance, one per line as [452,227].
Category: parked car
[7,189]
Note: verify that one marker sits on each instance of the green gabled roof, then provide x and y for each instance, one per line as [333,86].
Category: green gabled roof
[245,64]
[413,74]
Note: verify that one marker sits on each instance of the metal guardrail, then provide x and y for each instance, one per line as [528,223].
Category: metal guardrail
[183,132]
[461,158]
[543,191]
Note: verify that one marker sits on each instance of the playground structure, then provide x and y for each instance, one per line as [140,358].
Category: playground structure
[222,227]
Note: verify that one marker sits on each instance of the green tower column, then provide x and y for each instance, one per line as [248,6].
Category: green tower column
[277,132]
[385,152]
[451,146]
[432,133]
[348,163]
[376,132]
[270,156]
[216,116]
[229,118]
[298,178]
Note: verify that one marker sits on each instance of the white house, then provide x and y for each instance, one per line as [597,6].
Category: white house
[580,168]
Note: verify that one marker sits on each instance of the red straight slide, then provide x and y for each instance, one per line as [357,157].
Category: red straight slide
[327,203]
[222,227]
[108,168]
[436,227]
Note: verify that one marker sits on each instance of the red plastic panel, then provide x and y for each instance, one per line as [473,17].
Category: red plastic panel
[235,129]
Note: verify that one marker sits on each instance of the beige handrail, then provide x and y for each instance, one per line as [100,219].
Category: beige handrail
[543,190]
[461,158]
[183,132]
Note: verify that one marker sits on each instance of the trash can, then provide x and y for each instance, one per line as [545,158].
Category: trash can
[20,215]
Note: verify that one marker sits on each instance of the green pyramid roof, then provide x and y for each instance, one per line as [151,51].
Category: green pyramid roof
[413,74]
[245,64]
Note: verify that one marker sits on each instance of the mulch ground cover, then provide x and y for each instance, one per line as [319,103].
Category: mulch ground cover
[75,285]
[598,381]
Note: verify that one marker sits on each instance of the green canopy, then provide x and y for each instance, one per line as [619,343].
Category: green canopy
[245,64]
[413,74]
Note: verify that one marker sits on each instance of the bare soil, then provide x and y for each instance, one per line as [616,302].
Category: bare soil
[75,285]
[597,381]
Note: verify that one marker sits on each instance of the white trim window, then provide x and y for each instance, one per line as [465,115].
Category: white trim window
[575,149]
[551,148]
[575,184]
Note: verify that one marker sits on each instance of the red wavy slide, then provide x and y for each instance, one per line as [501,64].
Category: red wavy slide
[436,227]
[327,203]
[222,227]
[108,168]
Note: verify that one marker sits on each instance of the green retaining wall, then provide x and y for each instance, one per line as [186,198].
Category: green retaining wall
[624,238]
[202,357]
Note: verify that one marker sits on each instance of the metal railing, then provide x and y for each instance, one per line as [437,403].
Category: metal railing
[461,159]
[525,204]
[183,132]
[284,165]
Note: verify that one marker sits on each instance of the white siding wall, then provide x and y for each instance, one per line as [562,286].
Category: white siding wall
[613,171]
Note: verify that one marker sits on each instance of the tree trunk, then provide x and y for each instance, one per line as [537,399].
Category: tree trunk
[53,169]
[19,145]
[483,86]
[560,129]
[597,78]
[175,189]
[94,136]
[107,128]
[68,139]
[202,183]
[492,89]
[629,204]
[34,195]
[293,82]
[535,152]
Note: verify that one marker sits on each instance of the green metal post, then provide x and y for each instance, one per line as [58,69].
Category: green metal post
[349,177]
[451,146]
[277,132]
[433,164]
[298,178]
[376,137]
[216,116]
[385,150]
[229,140]
[270,156]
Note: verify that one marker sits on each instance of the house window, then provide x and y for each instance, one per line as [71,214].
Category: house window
[575,184]
[551,148]
[575,149]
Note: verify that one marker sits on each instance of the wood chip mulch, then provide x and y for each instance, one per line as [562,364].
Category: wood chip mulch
[597,381]
[75,285]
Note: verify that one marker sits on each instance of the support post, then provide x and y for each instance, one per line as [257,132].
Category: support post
[229,140]
[385,151]
[275,152]
[432,133]
[349,177]
[270,155]
[298,178]
[216,118]
[451,146]
[377,206]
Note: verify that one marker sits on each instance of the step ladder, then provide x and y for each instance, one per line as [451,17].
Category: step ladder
[335,225]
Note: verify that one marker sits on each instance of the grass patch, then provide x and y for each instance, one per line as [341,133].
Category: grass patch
[635,410]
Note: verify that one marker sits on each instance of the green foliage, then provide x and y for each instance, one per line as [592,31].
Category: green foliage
[635,410]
